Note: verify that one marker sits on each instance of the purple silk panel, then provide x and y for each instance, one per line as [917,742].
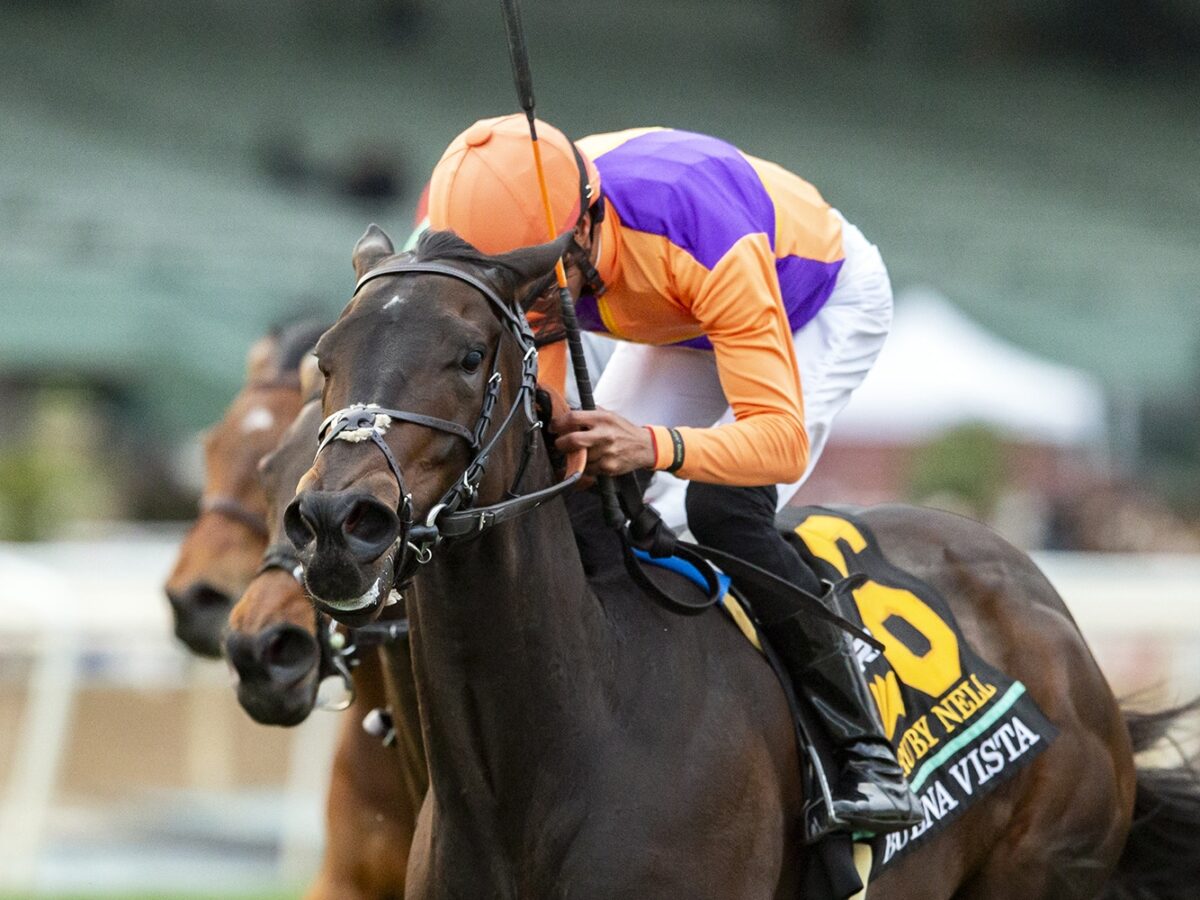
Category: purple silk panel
[703,196]
[587,311]
[697,191]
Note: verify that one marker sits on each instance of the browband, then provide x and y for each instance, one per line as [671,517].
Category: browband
[432,268]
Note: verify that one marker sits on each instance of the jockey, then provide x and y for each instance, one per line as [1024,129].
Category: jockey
[748,310]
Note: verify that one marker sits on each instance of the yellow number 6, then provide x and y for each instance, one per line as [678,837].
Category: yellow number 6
[933,672]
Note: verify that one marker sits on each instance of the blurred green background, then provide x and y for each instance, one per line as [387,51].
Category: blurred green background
[175,178]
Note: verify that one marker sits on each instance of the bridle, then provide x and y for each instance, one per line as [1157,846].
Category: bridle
[453,517]
[231,508]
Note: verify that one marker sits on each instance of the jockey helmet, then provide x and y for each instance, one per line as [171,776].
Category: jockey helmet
[485,186]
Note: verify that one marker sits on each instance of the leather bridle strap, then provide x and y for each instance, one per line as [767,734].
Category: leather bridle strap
[379,634]
[362,415]
[446,520]
[284,558]
[514,321]
[470,522]
[223,505]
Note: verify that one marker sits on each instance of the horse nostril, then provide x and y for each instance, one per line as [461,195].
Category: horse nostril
[199,597]
[370,523]
[296,525]
[289,648]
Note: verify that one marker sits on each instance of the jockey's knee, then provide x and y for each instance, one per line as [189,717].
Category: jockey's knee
[720,515]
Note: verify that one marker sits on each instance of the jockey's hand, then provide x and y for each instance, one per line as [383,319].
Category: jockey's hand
[614,445]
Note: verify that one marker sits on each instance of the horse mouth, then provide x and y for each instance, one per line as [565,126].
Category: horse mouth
[366,606]
[279,705]
[366,601]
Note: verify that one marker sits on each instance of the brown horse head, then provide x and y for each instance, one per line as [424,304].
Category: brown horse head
[221,552]
[272,641]
[427,348]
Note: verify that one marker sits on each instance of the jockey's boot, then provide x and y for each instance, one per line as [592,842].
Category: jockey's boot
[871,792]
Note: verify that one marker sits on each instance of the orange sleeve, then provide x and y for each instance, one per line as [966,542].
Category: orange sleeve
[552,366]
[738,305]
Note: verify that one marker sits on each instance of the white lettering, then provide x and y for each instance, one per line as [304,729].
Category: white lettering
[1026,738]
[945,801]
[977,767]
[896,841]
[992,758]
[963,777]
[1005,733]
[973,756]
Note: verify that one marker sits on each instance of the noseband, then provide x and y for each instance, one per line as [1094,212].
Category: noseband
[452,517]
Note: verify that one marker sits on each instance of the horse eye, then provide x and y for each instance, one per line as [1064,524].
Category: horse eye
[472,360]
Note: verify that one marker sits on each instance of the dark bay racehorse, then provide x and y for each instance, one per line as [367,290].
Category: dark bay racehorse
[273,645]
[584,743]
[222,550]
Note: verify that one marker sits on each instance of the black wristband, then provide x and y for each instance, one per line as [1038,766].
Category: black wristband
[676,451]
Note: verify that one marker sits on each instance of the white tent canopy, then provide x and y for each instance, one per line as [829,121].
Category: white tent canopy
[940,369]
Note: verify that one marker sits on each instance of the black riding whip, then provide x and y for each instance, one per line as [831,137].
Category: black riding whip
[523,79]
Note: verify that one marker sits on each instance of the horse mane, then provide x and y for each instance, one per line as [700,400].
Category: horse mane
[446,245]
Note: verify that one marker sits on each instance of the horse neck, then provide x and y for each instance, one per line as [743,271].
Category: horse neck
[509,647]
[384,679]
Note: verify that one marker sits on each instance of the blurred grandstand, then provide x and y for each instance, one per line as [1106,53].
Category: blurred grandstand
[177,178]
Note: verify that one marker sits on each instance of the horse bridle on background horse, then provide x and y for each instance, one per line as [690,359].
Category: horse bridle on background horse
[231,508]
[452,517]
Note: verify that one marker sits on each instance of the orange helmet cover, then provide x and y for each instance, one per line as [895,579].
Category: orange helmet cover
[485,186]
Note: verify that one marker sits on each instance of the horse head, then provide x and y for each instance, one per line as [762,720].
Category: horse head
[425,369]
[273,642]
[221,552]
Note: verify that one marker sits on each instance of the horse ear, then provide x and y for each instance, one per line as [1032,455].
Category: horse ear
[532,263]
[312,382]
[262,361]
[373,246]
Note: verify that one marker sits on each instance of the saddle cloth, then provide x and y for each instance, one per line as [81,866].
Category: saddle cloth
[960,727]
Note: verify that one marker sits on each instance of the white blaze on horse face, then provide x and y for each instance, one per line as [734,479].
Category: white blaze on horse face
[258,419]
[392,302]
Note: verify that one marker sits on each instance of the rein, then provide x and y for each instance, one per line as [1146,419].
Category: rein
[453,517]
